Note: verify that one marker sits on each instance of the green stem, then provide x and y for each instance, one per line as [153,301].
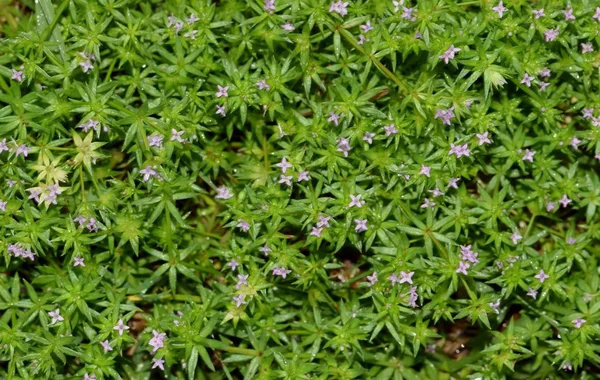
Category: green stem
[51,27]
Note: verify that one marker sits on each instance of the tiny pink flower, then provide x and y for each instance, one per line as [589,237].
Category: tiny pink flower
[368,137]
[543,86]
[106,346]
[221,111]
[545,73]
[288,26]
[233,264]
[176,135]
[222,91]
[372,279]
[528,156]
[515,237]
[568,13]
[588,113]
[578,322]
[538,13]
[285,179]
[280,271]
[263,85]
[564,201]
[500,9]
[158,363]
[406,277]
[239,300]
[427,203]
[532,293]
[334,118]
[355,201]
[284,165]
[425,170]
[462,267]
[550,206]
[56,317]
[323,221]
[407,14]
[453,183]
[390,130]
[243,225]
[366,27]
[316,232]
[223,193]
[542,276]
[597,14]
[587,48]
[483,138]
[121,327]
[527,79]
[449,54]
[361,225]
[339,7]
[551,34]
[78,262]
[303,176]
[18,75]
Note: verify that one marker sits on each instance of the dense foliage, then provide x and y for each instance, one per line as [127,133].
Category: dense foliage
[299,189]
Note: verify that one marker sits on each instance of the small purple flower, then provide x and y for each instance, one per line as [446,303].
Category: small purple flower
[575,142]
[453,182]
[355,201]
[285,179]
[284,165]
[550,206]
[177,135]
[551,34]
[106,346]
[265,250]
[221,111]
[445,115]
[316,232]
[372,279]
[564,201]
[545,73]
[362,39]
[222,91]
[390,130]
[587,48]
[567,367]
[3,205]
[412,301]
[157,341]
[23,149]
[538,13]
[11,182]
[597,14]
[361,225]
[269,6]
[406,277]
[3,146]
[92,226]
[191,34]
[528,156]
[343,146]
[239,300]
[588,113]
[542,276]
[148,172]
[597,157]
[303,176]
[223,193]
[578,322]
[18,75]
[515,237]
[500,9]
[425,170]
[233,264]
[35,194]
[334,118]
[407,14]
[192,19]
[449,54]
[155,140]
[483,138]
[242,280]
[288,26]
[280,271]
[459,150]
[78,262]
[543,86]
[393,279]
[532,293]
[323,221]
[568,14]
[86,66]
[366,27]
[436,192]
[339,7]
[368,137]
[178,26]
[56,317]
[527,80]
[121,327]
[571,241]
[427,203]
[462,267]
[158,363]
[243,225]
[263,85]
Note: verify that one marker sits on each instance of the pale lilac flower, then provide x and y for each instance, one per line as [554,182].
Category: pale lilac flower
[56,317]
[545,73]
[449,54]
[28,255]
[528,156]
[445,115]
[361,225]
[191,34]
[588,113]
[462,267]
[483,138]
[532,293]
[597,157]
[303,176]
[157,341]
[339,7]
[368,137]
[571,241]
[515,237]
[550,206]
[155,140]
[78,262]
[459,150]
[176,135]
[239,300]
[15,250]
[412,301]
[158,363]
[323,221]
[597,14]
[92,226]
[418,36]
[35,194]
[587,48]
[106,346]
[90,124]
[355,201]
[453,183]
[495,306]
[192,19]
[18,75]
[564,201]
[596,121]
[284,165]
[372,279]
[406,277]
[89,377]
[393,279]
[178,26]
[233,264]
[263,85]
[265,250]
[86,66]
[407,14]
[121,327]
[543,86]
[568,14]
[280,271]
[436,192]
[148,172]
[221,111]
[538,13]
[269,6]
[3,205]
[527,80]
[427,203]
[551,34]
[366,27]
[288,26]
[578,322]
[223,193]
[390,130]
[3,146]
[425,170]
[11,182]
[542,276]
[575,142]
[397,4]
[243,225]
[286,179]
[343,146]
[222,91]
[334,118]
[316,232]
[171,21]
[23,149]
[500,9]
[362,39]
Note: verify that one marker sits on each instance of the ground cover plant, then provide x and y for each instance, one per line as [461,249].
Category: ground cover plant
[299,189]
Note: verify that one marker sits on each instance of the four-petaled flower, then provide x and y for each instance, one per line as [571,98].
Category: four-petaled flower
[393,279]
[543,86]
[542,276]
[372,279]
[500,9]
[239,300]
[390,130]
[453,182]
[495,306]
[449,54]
[288,26]
[427,203]
[483,138]
[284,165]
[280,271]
[568,13]
[407,14]
[538,13]
[222,91]
[334,118]
[157,341]
[78,262]
[532,293]
[89,377]
[316,231]
[221,111]
[368,137]
[223,193]
[527,80]
[597,14]
[344,146]
[459,150]
[18,75]
[361,225]
[243,225]
[263,85]
[406,277]
[233,264]
[148,172]
[515,237]
[106,346]
[56,317]
[425,170]
[3,205]
[121,327]
[286,179]
[586,48]
[528,156]
[355,201]
[176,135]
[323,221]
[339,7]
[158,363]
[550,35]
[578,322]
[462,267]
[564,201]
[303,176]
